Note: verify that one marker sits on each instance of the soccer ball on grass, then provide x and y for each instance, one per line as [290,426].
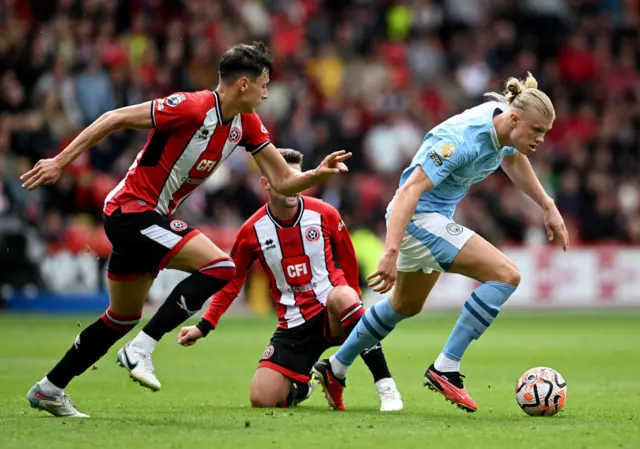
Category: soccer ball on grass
[541,391]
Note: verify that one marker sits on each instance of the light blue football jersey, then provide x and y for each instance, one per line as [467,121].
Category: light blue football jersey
[456,154]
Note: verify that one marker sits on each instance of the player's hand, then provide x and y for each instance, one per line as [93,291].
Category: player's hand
[384,279]
[188,336]
[556,229]
[334,163]
[45,172]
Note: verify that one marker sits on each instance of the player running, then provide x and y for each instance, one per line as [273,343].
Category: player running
[192,134]
[296,238]
[423,240]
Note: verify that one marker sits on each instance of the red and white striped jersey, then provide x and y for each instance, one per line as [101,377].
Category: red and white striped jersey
[187,144]
[298,259]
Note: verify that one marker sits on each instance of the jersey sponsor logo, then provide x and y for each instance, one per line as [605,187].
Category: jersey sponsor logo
[202,168]
[297,270]
[312,234]
[454,229]
[206,165]
[175,99]
[447,150]
[435,158]
[235,135]
[178,225]
[268,352]
[302,288]
[466,182]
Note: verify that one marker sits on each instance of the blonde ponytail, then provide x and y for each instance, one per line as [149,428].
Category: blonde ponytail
[525,94]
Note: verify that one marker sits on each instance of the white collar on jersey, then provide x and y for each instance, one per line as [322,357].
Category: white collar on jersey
[295,222]
[218,108]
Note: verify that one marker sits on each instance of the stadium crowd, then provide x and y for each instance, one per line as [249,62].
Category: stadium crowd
[369,76]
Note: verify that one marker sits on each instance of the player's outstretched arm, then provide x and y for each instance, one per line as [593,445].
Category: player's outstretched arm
[288,181]
[48,171]
[519,170]
[402,209]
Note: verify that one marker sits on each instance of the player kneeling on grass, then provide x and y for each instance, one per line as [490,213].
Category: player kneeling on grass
[318,304]
[192,134]
[423,240]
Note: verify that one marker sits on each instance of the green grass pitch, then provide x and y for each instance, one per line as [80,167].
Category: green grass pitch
[204,400]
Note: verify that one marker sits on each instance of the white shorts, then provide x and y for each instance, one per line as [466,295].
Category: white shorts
[431,242]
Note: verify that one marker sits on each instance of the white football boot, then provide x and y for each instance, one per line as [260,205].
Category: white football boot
[138,362]
[59,405]
[390,399]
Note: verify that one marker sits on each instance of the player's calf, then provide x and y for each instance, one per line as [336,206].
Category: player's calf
[185,300]
[500,277]
[89,346]
[188,297]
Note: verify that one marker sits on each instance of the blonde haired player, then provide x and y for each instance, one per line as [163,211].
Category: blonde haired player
[423,241]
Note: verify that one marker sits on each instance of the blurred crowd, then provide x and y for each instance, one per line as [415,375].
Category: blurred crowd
[369,76]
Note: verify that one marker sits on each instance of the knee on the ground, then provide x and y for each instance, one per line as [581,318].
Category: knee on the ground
[264,400]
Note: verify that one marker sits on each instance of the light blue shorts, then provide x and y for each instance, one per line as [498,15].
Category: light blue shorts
[431,242]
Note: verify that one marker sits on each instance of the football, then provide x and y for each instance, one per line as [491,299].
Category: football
[541,391]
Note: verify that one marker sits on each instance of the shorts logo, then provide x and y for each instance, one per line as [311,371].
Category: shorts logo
[234,135]
[447,150]
[267,352]
[435,158]
[312,234]
[178,225]
[175,100]
[263,129]
[454,229]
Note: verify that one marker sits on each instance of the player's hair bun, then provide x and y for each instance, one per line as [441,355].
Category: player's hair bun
[515,87]
[523,95]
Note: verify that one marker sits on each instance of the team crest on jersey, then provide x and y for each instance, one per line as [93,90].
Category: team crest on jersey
[178,225]
[447,150]
[312,234]
[267,352]
[235,135]
[175,99]
[454,229]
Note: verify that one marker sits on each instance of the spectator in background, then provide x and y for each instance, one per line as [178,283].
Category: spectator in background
[368,76]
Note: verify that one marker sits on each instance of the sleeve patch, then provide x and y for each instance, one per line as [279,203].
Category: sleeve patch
[447,150]
[435,158]
[175,99]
